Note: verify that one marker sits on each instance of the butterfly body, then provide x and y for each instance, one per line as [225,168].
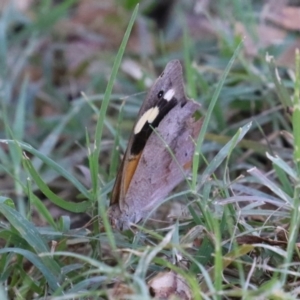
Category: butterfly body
[159,152]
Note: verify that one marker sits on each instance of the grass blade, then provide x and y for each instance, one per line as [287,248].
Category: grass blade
[55,166]
[208,114]
[69,206]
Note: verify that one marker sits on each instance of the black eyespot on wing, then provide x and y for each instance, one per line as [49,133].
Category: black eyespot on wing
[160,94]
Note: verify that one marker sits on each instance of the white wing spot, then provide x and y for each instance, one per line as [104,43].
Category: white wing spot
[169,95]
[148,116]
[153,114]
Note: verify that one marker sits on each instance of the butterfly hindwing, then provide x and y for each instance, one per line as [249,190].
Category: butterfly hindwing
[161,168]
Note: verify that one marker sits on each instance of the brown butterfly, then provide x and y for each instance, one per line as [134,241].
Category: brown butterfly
[159,152]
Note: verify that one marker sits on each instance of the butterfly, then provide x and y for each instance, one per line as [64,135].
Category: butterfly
[160,149]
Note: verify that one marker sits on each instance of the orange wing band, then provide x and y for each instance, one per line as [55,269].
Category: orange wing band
[131,166]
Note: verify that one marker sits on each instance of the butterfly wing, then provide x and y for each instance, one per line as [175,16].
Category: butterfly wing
[166,92]
[158,171]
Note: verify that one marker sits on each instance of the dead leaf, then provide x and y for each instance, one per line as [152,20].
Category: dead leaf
[251,239]
[169,285]
[201,28]
[120,291]
[286,17]
[266,36]
[98,26]
[287,58]
[135,71]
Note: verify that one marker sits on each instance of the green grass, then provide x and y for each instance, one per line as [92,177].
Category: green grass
[238,237]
